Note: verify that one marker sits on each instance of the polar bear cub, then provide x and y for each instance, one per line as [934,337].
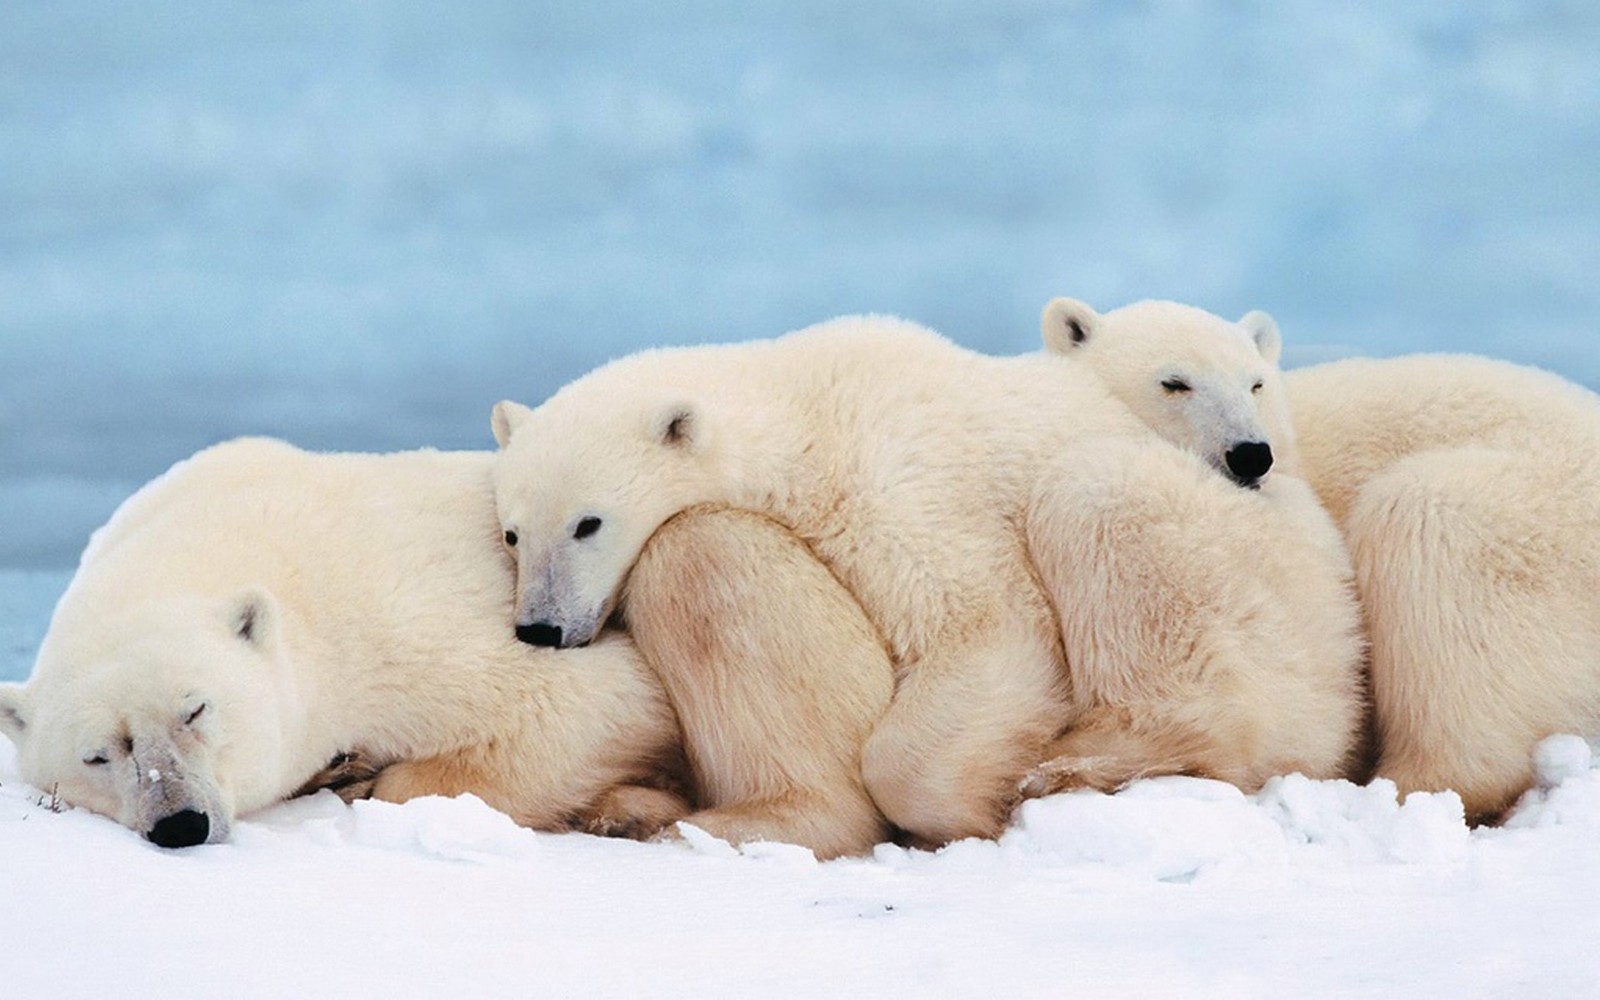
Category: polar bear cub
[1206,385]
[1466,489]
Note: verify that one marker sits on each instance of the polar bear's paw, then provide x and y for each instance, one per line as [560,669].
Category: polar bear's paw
[635,812]
[350,774]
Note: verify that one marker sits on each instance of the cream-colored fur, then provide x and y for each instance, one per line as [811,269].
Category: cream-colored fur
[1201,382]
[1210,386]
[259,610]
[776,674]
[963,500]
[1469,492]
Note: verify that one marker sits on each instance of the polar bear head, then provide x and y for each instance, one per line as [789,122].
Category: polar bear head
[165,717]
[580,489]
[1205,384]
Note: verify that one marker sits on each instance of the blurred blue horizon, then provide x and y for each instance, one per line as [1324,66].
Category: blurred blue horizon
[358,224]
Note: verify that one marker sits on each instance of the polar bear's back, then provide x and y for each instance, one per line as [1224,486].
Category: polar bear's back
[1356,417]
[868,378]
[892,371]
[354,538]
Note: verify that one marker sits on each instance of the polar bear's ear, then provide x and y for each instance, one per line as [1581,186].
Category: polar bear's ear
[679,424]
[1067,324]
[13,698]
[253,616]
[1263,329]
[505,419]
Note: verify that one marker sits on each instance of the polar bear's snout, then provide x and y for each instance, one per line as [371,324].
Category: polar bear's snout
[540,634]
[175,799]
[1248,461]
[184,828]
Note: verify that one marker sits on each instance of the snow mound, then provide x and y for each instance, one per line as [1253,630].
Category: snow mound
[1560,757]
[1337,820]
[1188,829]
[1168,829]
[464,828]
[1567,790]
[1182,830]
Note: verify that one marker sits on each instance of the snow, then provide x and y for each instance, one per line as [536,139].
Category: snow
[1561,757]
[1176,887]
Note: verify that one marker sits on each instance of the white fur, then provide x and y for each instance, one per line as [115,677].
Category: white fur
[776,674]
[1469,492]
[990,516]
[308,605]
[1199,381]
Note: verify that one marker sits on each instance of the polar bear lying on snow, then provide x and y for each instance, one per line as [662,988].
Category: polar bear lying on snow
[1467,489]
[1054,582]
[260,610]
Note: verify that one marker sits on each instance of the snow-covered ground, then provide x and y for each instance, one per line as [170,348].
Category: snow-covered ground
[1174,888]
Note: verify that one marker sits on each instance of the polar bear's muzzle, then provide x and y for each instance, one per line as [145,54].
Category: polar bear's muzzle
[175,804]
[540,634]
[550,635]
[1248,461]
[184,828]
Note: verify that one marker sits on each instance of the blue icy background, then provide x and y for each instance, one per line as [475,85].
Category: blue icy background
[356,225]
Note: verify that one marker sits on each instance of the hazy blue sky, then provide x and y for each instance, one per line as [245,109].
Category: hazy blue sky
[356,225]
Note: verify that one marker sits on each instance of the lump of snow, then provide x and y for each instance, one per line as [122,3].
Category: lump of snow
[464,828]
[705,843]
[1351,822]
[1171,829]
[1567,789]
[1560,757]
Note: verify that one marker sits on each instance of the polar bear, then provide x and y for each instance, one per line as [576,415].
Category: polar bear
[1205,384]
[1067,599]
[1210,386]
[260,610]
[1468,491]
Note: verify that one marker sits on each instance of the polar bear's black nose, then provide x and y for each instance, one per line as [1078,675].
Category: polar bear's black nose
[1249,461]
[540,634]
[184,828]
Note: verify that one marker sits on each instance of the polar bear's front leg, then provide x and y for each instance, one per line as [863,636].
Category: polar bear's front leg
[775,672]
[1208,630]
[945,761]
